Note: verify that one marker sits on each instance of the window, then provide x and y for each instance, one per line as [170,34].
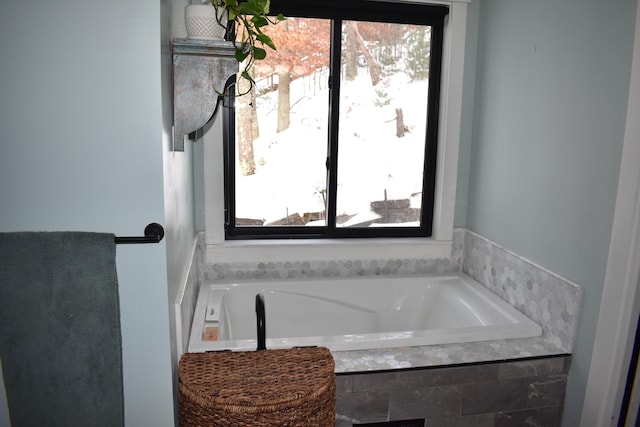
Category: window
[339,136]
[220,249]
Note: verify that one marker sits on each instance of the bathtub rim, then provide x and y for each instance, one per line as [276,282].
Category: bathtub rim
[359,342]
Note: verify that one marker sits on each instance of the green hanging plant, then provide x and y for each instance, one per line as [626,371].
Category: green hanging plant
[249,17]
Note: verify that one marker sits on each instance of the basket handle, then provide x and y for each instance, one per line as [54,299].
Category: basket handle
[261,322]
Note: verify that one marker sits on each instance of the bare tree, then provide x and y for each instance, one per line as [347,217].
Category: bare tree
[351,56]
[303,47]
[284,98]
[374,68]
[245,130]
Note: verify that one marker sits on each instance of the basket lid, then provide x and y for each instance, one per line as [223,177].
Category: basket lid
[256,378]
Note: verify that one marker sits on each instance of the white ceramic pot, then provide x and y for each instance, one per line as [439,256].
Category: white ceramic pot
[201,22]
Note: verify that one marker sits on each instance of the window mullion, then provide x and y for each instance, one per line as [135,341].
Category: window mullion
[433,112]
[228,139]
[334,111]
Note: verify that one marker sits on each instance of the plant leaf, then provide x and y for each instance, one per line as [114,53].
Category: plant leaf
[259,21]
[259,53]
[265,39]
[249,9]
[241,55]
[264,5]
[245,74]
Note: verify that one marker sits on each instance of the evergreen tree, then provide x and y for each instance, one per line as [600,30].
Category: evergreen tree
[418,44]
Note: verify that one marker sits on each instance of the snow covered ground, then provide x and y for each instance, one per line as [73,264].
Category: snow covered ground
[291,173]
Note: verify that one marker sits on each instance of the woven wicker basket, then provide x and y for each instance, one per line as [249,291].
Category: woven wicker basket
[293,387]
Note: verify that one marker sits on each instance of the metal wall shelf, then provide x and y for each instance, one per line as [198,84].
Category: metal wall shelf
[200,70]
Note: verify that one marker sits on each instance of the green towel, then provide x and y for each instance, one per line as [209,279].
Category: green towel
[60,338]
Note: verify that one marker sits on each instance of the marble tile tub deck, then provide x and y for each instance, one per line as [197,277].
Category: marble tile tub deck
[442,355]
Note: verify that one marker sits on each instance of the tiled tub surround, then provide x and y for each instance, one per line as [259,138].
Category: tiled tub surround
[535,394]
[186,299]
[338,268]
[548,299]
[513,393]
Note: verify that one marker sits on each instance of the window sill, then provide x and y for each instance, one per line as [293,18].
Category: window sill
[326,250]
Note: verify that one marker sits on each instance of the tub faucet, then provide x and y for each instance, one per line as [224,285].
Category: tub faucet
[261,322]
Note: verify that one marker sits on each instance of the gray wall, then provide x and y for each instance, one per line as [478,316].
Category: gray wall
[83,148]
[551,90]
[179,194]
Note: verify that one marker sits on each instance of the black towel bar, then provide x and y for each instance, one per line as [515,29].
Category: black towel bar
[153,233]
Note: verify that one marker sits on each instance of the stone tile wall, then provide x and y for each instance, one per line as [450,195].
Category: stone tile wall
[337,268]
[543,296]
[548,299]
[186,300]
[515,393]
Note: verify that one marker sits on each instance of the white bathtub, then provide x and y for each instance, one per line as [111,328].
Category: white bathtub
[355,313]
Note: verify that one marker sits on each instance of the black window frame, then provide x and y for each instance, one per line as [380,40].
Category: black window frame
[338,11]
